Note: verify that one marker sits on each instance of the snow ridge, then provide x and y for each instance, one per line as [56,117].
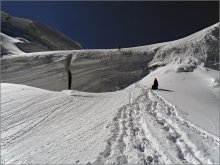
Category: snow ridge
[105,70]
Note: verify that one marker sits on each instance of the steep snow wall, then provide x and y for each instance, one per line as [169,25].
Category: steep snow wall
[45,71]
[109,69]
[94,71]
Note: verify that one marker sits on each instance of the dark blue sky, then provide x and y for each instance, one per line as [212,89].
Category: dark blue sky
[101,24]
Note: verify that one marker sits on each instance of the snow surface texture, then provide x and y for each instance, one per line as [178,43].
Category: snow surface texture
[111,69]
[94,71]
[196,94]
[40,37]
[133,126]
[8,45]
[177,124]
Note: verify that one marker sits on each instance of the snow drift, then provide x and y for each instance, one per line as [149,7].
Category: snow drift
[177,124]
[131,126]
[8,45]
[112,69]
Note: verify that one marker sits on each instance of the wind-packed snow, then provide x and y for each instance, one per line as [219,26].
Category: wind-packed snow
[9,44]
[42,126]
[104,70]
[195,93]
[176,124]
[134,126]
[41,37]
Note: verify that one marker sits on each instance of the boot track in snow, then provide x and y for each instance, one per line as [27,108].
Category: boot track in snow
[149,130]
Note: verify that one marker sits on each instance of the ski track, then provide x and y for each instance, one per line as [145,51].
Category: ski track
[149,130]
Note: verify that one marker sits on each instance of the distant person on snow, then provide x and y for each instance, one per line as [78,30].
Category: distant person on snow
[155,85]
[119,47]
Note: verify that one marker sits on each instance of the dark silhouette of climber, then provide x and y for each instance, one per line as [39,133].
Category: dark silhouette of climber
[119,47]
[155,85]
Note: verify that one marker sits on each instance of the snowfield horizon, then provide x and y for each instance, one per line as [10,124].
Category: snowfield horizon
[111,115]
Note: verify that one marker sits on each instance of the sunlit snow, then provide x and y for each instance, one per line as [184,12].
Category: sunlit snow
[43,122]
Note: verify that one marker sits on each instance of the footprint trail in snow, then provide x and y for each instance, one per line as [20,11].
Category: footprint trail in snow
[149,130]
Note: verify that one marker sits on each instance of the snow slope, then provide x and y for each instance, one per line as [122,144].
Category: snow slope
[55,127]
[9,45]
[133,126]
[196,93]
[177,124]
[105,70]
[40,37]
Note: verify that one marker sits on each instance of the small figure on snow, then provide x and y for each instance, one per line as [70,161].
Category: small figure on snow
[155,85]
[119,47]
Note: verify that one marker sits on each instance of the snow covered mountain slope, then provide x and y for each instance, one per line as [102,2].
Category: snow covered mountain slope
[200,47]
[40,37]
[8,45]
[195,93]
[131,126]
[177,124]
[109,70]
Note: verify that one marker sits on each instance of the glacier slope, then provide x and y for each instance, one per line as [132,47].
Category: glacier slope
[40,126]
[105,70]
[177,124]
[8,45]
[134,125]
[195,93]
[41,37]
